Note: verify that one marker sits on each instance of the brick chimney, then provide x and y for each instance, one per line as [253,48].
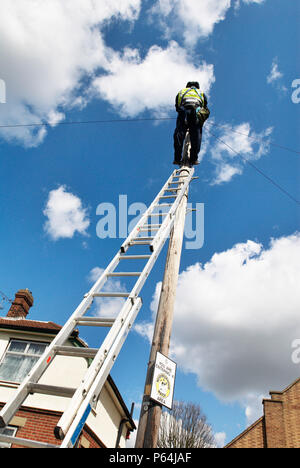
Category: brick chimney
[21,305]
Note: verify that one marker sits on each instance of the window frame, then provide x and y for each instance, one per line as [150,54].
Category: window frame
[14,430]
[23,354]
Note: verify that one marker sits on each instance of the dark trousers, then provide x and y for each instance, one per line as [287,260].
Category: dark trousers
[187,120]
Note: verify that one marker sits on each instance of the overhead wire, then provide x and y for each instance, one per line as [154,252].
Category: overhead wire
[256,169]
[140,119]
[149,119]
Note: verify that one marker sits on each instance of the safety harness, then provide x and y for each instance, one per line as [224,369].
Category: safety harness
[190,97]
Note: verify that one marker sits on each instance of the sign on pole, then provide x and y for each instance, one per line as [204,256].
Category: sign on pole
[163,380]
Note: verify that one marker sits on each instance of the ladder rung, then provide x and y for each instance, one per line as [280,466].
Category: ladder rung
[51,390]
[111,294]
[144,242]
[172,190]
[164,204]
[168,196]
[143,238]
[125,273]
[134,257]
[158,214]
[150,226]
[26,442]
[95,321]
[75,351]
[147,229]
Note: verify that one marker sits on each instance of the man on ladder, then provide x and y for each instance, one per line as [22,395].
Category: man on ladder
[191,105]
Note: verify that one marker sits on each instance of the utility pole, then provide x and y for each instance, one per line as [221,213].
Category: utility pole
[150,415]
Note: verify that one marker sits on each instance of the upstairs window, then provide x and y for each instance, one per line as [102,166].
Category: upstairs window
[19,359]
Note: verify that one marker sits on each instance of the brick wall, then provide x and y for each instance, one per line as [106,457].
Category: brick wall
[36,424]
[274,424]
[279,427]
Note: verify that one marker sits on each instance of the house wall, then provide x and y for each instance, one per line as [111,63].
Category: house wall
[67,372]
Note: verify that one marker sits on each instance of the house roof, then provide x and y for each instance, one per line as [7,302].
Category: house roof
[242,434]
[29,325]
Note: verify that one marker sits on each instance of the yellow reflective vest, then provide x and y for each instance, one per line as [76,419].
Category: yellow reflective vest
[190,97]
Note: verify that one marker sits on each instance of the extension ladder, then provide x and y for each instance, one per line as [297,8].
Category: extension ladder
[86,395]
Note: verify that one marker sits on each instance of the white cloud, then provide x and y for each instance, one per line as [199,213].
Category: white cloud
[220,438]
[45,52]
[248,2]
[242,140]
[275,77]
[275,74]
[236,318]
[225,172]
[191,18]
[66,215]
[149,83]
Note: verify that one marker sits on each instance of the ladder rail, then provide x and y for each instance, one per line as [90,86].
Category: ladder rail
[26,442]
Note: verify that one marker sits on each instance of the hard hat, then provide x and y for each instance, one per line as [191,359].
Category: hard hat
[192,84]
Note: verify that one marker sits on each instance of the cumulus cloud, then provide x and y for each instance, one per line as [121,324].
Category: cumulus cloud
[190,18]
[235,320]
[66,215]
[150,83]
[238,139]
[46,50]
[55,58]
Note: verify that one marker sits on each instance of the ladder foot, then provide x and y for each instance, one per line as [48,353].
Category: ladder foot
[58,432]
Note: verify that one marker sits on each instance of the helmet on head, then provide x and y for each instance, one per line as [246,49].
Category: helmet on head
[192,84]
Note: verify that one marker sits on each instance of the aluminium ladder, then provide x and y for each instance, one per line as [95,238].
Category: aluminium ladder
[85,397]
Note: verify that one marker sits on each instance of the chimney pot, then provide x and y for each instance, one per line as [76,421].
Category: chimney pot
[21,304]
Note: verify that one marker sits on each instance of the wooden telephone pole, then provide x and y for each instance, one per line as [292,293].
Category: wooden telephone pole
[150,415]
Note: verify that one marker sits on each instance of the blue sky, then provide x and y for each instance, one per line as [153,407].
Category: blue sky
[237,304]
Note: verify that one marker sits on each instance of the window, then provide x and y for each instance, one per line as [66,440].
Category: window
[8,431]
[19,359]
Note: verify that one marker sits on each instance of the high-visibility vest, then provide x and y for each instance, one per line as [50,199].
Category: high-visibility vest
[190,97]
